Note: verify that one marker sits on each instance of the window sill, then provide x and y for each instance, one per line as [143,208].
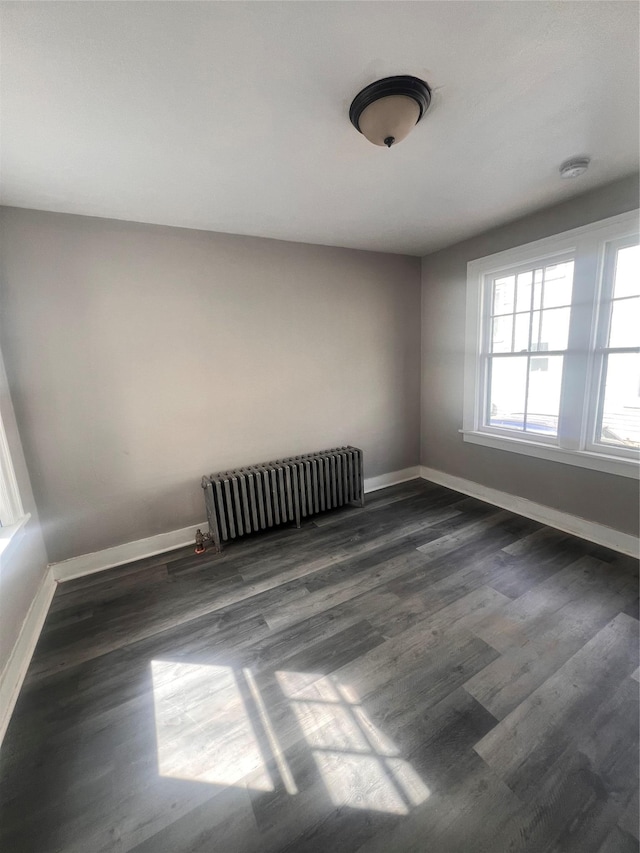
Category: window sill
[12,533]
[581,458]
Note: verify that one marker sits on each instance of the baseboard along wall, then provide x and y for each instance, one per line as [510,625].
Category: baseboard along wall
[372,484]
[118,555]
[600,534]
[14,673]
[87,564]
[109,558]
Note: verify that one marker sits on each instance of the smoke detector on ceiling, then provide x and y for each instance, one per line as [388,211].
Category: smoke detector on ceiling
[574,167]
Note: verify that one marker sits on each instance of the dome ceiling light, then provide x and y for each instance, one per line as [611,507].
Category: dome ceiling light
[386,111]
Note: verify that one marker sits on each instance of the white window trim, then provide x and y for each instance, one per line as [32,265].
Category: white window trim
[588,242]
[12,514]
[12,534]
[11,510]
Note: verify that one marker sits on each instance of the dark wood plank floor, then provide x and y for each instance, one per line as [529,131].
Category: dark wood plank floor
[428,673]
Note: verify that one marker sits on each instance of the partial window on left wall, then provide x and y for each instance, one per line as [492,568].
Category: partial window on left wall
[11,510]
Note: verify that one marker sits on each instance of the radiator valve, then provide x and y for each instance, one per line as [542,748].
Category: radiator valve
[201,540]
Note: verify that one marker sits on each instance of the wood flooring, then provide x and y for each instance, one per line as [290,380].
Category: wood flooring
[427,673]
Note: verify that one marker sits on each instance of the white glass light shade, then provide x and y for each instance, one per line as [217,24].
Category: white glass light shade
[390,118]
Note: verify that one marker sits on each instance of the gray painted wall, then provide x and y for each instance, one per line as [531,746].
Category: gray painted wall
[592,495]
[141,357]
[23,564]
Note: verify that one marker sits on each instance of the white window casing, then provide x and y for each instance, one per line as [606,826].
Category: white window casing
[11,509]
[593,250]
[13,518]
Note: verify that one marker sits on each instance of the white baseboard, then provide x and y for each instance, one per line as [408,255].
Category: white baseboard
[87,564]
[372,484]
[98,561]
[14,672]
[593,532]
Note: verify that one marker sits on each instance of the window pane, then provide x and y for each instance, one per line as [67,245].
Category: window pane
[535,333]
[523,300]
[543,403]
[558,283]
[537,289]
[521,340]
[501,335]
[627,276]
[554,328]
[625,323]
[503,295]
[621,410]
[507,382]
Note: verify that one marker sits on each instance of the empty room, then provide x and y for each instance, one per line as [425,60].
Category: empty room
[319,426]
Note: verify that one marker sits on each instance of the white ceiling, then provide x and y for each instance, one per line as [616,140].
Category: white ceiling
[233,116]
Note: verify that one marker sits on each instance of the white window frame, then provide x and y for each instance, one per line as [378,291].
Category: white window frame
[589,245]
[11,510]
[13,518]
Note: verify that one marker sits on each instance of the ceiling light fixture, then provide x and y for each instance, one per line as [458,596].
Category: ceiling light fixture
[386,111]
[574,167]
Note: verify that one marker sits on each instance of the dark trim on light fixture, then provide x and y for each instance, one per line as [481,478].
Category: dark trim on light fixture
[403,84]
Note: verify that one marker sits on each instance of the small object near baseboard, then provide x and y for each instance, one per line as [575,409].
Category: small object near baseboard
[285,490]
[201,541]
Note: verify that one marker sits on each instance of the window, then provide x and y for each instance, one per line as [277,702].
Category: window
[12,516]
[11,510]
[576,298]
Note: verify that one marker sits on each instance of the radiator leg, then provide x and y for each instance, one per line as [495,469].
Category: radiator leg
[217,542]
[361,478]
[214,530]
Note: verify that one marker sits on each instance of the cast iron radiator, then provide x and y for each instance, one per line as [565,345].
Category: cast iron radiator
[285,490]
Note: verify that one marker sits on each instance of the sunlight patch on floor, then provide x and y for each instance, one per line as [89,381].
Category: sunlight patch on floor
[359,765]
[214,725]
[203,730]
